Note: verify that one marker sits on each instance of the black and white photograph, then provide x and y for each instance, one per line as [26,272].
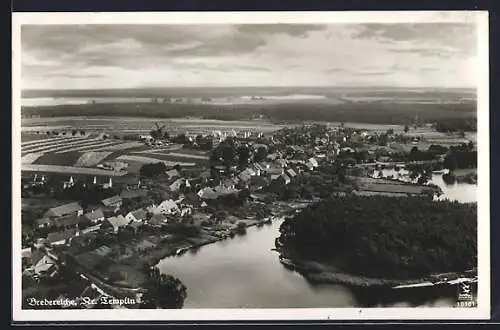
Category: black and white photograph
[223,166]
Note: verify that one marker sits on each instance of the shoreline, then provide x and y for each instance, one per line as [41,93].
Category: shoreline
[321,273]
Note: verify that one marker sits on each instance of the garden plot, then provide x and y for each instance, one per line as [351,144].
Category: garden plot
[30,158]
[92,158]
[63,145]
[94,146]
[149,160]
[50,142]
[44,140]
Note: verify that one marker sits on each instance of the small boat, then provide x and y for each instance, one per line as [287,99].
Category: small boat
[180,251]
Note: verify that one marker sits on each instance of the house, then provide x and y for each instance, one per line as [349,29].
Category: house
[257,182]
[273,156]
[158,220]
[45,267]
[63,210]
[191,199]
[136,216]
[176,185]
[118,222]
[173,173]
[274,172]
[186,211]
[285,179]
[91,229]
[313,162]
[43,222]
[207,193]
[291,173]
[280,162]
[67,221]
[135,225]
[61,237]
[221,190]
[165,207]
[95,216]
[114,202]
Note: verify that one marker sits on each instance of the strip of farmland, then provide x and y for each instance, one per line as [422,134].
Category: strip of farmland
[176,154]
[30,158]
[69,170]
[60,145]
[149,160]
[92,158]
[30,142]
[92,146]
[171,156]
[122,146]
[51,141]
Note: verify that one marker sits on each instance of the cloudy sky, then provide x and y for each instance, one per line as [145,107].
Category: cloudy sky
[127,56]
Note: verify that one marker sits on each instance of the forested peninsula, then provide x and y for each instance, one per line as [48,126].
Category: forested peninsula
[381,237]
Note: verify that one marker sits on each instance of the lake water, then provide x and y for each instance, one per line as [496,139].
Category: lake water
[245,273]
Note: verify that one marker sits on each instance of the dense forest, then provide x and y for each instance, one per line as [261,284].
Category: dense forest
[385,237]
[382,113]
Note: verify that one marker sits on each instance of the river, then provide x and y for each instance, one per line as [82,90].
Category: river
[245,273]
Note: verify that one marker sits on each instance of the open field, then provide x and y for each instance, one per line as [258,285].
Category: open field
[91,158]
[149,160]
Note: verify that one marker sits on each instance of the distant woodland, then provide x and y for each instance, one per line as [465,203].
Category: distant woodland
[373,112]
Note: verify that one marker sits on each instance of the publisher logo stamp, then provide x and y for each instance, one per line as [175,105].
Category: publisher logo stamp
[465,296]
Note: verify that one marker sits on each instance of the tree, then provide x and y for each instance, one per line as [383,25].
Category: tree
[406,129]
[243,155]
[383,140]
[414,150]
[450,162]
[163,291]
[260,154]
[181,139]
[390,131]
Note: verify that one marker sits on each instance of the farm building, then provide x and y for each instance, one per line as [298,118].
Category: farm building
[63,210]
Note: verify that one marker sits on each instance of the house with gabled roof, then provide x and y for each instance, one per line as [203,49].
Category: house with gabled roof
[173,173]
[177,184]
[95,216]
[114,201]
[63,210]
[166,207]
[291,173]
[138,215]
[118,222]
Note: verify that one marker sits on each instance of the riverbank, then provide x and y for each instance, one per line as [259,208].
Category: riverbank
[321,273]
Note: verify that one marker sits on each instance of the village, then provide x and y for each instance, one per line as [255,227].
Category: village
[104,231]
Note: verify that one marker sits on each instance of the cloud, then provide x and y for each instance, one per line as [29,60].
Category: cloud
[294,30]
[103,56]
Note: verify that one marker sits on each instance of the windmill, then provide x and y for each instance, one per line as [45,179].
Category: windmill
[158,132]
